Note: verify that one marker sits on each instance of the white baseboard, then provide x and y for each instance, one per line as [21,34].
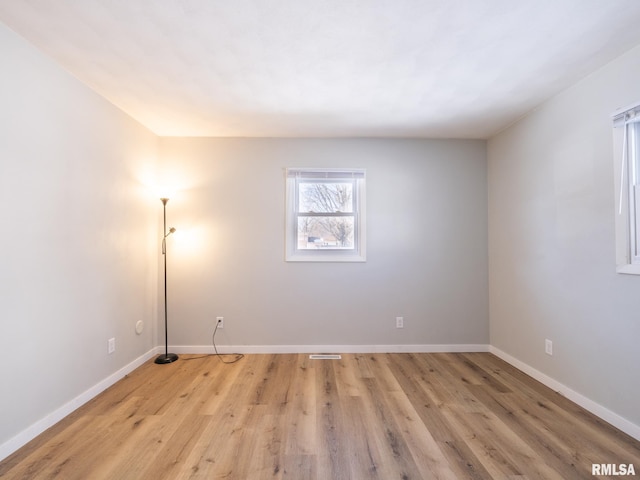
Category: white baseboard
[258,349]
[41,425]
[605,414]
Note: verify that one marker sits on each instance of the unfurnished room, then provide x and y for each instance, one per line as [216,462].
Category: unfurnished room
[323,240]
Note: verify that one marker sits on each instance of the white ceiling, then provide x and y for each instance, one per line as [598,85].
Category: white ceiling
[412,68]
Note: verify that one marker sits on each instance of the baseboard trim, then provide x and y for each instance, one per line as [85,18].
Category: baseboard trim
[274,349]
[41,425]
[605,414]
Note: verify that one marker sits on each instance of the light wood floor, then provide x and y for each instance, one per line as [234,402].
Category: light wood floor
[367,416]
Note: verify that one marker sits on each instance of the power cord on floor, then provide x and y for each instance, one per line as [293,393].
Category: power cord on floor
[239,356]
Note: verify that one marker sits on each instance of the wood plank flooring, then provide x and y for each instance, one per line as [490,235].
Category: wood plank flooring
[367,416]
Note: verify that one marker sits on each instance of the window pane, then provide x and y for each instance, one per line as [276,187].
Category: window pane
[634,193]
[325,197]
[330,233]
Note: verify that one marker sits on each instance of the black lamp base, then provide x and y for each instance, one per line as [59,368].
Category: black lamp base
[166,358]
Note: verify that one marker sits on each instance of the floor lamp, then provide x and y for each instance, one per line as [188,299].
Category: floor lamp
[166,357]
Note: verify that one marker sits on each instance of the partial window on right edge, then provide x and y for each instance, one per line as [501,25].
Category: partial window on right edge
[626,123]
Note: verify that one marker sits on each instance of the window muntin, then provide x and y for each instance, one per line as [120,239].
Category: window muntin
[325,215]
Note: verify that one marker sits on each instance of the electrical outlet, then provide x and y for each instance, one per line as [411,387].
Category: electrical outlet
[220,322]
[111,345]
[399,322]
[548,347]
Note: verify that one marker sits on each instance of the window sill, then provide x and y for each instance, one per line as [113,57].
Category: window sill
[628,269]
[325,257]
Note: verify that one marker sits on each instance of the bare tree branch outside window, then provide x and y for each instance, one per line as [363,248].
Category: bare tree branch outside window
[326,215]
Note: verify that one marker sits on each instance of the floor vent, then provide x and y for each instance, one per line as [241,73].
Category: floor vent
[325,357]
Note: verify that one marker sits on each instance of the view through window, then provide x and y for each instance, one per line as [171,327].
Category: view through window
[325,214]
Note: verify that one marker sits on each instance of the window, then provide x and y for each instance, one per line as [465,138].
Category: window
[627,168]
[325,215]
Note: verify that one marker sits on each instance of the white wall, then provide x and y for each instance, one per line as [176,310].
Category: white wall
[79,238]
[426,245]
[552,248]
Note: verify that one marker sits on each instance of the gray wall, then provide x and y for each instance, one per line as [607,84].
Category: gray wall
[552,245]
[79,240]
[426,245]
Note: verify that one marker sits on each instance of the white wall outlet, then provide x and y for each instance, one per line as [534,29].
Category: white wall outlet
[548,347]
[111,345]
[220,322]
[399,322]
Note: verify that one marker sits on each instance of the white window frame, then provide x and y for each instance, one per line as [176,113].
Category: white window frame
[294,176]
[626,124]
